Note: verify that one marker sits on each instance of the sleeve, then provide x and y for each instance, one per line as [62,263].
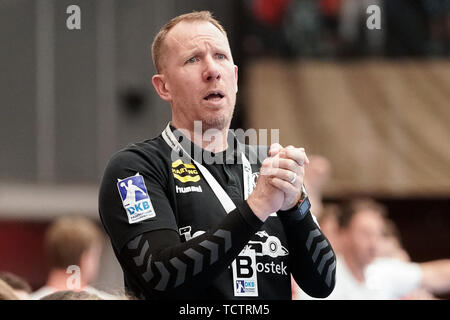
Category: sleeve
[133,197]
[312,259]
[166,268]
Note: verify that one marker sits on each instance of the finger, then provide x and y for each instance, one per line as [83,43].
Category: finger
[283,174]
[284,186]
[296,154]
[289,168]
[287,164]
[274,149]
[266,165]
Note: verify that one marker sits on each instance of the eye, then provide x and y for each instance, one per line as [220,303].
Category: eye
[220,56]
[192,60]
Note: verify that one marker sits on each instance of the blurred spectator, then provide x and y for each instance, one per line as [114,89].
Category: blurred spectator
[6,292]
[393,272]
[338,28]
[317,175]
[74,242]
[71,295]
[361,226]
[329,224]
[301,29]
[371,262]
[353,29]
[270,12]
[264,30]
[85,295]
[330,11]
[20,286]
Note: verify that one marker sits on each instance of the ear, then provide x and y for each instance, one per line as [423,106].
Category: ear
[236,76]
[161,87]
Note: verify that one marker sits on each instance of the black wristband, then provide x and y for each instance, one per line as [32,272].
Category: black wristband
[299,211]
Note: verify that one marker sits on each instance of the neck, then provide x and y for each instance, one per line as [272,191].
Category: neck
[210,139]
[57,279]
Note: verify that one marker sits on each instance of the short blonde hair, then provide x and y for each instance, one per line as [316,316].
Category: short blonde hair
[68,238]
[158,42]
[6,292]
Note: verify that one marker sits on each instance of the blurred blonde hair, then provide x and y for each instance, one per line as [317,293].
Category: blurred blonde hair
[6,292]
[68,238]
[71,295]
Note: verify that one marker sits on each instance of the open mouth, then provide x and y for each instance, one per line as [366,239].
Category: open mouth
[214,96]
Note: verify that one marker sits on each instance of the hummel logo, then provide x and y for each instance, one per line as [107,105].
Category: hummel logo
[188,189]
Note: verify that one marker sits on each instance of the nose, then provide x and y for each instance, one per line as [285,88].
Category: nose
[211,71]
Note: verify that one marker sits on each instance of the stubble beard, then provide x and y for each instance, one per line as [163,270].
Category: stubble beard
[219,122]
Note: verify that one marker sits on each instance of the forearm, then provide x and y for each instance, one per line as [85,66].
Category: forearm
[167,268]
[313,262]
[436,276]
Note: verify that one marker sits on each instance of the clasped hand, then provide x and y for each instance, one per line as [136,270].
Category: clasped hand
[280,180]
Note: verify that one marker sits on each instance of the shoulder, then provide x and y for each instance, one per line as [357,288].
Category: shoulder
[148,155]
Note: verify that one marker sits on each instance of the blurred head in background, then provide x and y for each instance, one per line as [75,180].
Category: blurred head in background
[20,286]
[74,241]
[6,292]
[390,245]
[362,226]
[71,295]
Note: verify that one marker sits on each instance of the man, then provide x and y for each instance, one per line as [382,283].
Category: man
[205,229]
[397,276]
[360,230]
[72,242]
[371,264]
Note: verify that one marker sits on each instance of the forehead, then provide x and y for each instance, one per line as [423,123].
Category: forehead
[189,35]
[367,218]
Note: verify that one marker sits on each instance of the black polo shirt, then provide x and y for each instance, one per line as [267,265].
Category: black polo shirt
[147,188]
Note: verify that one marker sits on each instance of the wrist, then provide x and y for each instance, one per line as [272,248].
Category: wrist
[301,208]
[257,208]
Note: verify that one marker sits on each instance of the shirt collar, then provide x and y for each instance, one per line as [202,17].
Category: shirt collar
[230,156]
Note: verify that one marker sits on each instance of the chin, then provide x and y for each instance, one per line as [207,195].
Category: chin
[218,122]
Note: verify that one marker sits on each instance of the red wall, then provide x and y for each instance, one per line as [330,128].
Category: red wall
[21,250]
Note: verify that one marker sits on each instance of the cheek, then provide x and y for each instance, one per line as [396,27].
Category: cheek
[181,84]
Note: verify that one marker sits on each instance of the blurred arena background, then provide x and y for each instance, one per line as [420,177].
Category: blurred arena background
[375,103]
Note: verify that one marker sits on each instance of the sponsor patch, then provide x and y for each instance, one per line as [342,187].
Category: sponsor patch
[245,281]
[185,172]
[135,198]
[268,245]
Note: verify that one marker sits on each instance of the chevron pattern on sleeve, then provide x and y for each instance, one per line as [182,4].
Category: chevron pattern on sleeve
[320,250]
[165,275]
